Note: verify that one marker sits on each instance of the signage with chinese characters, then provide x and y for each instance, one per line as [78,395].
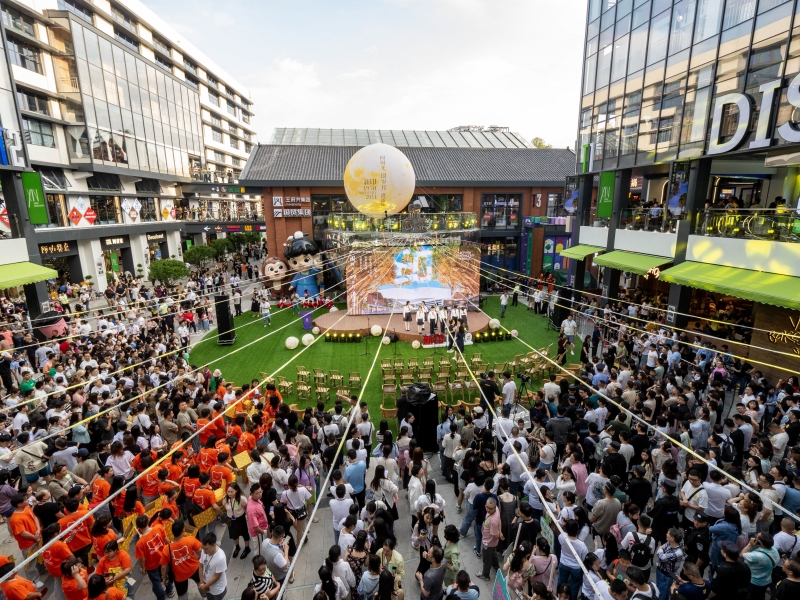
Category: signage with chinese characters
[90,215]
[126,205]
[671,314]
[75,215]
[296,212]
[110,243]
[157,237]
[248,228]
[234,228]
[137,206]
[230,189]
[296,200]
[58,249]
[81,204]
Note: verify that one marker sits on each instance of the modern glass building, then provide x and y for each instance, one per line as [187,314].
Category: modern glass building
[688,153]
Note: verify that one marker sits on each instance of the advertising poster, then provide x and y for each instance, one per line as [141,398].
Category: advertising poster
[571,195]
[678,188]
[551,257]
[500,588]
[383,281]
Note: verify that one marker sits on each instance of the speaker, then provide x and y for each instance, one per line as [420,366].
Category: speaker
[392,337]
[558,315]
[225,333]
[424,405]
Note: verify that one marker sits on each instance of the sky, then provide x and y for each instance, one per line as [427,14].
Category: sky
[396,64]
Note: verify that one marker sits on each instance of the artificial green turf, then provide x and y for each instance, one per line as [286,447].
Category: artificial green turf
[271,353]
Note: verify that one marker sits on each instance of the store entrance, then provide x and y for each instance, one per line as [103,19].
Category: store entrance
[742,191]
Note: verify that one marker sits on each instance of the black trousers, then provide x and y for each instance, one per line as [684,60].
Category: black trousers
[433,326]
[182,587]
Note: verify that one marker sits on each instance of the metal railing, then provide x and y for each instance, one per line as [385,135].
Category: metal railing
[589,218]
[416,222]
[777,224]
[67,85]
[204,214]
[649,219]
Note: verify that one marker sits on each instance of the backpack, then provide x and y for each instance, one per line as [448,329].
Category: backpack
[727,451]
[653,593]
[616,531]
[341,423]
[641,554]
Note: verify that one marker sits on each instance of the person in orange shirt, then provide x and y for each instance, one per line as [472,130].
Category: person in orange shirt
[78,539]
[169,502]
[219,422]
[273,391]
[54,556]
[271,408]
[205,419]
[18,588]
[98,590]
[75,580]
[138,461]
[102,533]
[184,555]
[149,553]
[115,566]
[162,517]
[176,468]
[23,523]
[235,428]
[207,457]
[247,441]
[204,498]
[101,486]
[221,472]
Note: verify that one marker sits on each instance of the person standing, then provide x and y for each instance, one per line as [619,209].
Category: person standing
[731,579]
[149,553]
[761,556]
[568,327]
[433,316]
[265,315]
[354,474]
[276,551]
[515,295]
[407,315]
[183,557]
[503,303]
[420,319]
[442,316]
[491,534]
[213,565]
[430,584]
[670,562]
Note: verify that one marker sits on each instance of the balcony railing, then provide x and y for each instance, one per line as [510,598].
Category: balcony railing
[589,218]
[215,214]
[67,85]
[417,222]
[777,224]
[649,219]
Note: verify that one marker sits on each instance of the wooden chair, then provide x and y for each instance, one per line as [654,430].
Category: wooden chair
[462,372]
[265,378]
[514,365]
[320,377]
[302,373]
[444,362]
[445,369]
[441,388]
[303,390]
[457,387]
[389,375]
[441,378]
[335,378]
[527,360]
[499,368]
[476,359]
[386,363]
[284,386]
[399,364]
[341,390]
[413,364]
[322,393]
[481,368]
[428,362]
[354,381]
[473,390]
[388,391]
[425,376]
[407,377]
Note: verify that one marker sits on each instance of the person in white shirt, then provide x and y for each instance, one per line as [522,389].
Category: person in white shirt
[693,495]
[502,429]
[573,551]
[340,509]
[509,390]
[717,496]
[780,440]
[786,540]
[568,327]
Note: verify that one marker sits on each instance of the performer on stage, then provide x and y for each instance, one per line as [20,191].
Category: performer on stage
[420,318]
[442,318]
[432,316]
[407,310]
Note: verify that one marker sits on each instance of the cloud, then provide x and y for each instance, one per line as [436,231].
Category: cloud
[358,75]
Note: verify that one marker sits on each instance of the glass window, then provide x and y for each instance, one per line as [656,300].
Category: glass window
[620,60]
[659,34]
[39,133]
[234,143]
[604,65]
[594,9]
[75,9]
[55,211]
[24,55]
[126,40]
[589,74]
[149,210]
[624,8]
[738,11]
[92,49]
[33,103]
[638,47]
[500,211]
[15,20]
[106,209]
[231,109]
[660,6]
[213,99]
[682,25]
[216,135]
[641,15]
[163,63]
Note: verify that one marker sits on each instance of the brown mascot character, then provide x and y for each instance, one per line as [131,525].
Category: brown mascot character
[277,278]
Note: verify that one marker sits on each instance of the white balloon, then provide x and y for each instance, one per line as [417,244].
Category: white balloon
[376,330]
[494,324]
[333,309]
[292,342]
[315,331]
[308,339]
[386,340]
[415,344]
[514,333]
[379,180]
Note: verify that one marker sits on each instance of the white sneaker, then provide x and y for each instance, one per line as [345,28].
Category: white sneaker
[572,352]
[39,585]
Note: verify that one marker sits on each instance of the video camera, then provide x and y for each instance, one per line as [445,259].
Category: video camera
[523,377]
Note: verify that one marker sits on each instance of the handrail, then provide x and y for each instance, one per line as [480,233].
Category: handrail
[402,222]
[777,224]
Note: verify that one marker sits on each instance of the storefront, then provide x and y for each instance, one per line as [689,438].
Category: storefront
[117,255]
[63,257]
[157,245]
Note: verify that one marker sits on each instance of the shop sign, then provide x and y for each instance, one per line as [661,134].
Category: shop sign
[528,222]
[605,195]
[234,228]
[296,212]
[157,237]
[796,226]
[231,189]
[80,203]
[655,273]
[172,212]
[137,206]
[262,227]
[114,261]
[217,228]
[248,228]
[671,314]
[133,215]
[126,205]
[110,243]
[788,336]
[165,212]
[34,198]
[90,215]
[57,249]
[75,215]
[277,201]
[296,200]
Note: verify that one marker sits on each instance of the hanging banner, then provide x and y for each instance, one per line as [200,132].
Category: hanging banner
[34,198]
[605,195]
[678,188]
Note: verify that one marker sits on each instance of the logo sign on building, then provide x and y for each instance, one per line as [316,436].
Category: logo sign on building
[234,228]
[262,227]
[4,215]
[297,200]
[157,237]
[605,195]
[111,243]
[296,212]
[81,205]
[34,198]
[248,228]
[277,213]
[277,201]
[90,215]
[75,215]
[59,249]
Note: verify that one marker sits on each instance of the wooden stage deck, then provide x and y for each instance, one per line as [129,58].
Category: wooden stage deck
[477,322]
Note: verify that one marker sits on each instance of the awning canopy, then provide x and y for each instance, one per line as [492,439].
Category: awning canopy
[581,251]
[768,288]
[631,261]
[24,272]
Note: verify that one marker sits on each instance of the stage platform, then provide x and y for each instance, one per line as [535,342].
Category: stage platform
[477,322]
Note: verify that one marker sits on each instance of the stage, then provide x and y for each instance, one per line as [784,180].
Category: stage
[477,322]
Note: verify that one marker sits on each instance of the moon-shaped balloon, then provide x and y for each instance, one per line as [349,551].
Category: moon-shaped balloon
[379,180]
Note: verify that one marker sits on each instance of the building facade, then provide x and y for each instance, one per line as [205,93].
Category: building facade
[138,138]
[494,174]
[697,102]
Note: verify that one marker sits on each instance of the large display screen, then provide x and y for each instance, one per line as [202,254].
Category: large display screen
[382,281]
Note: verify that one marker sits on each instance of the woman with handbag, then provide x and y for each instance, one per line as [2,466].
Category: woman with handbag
[295,499]
[385,491]
[235,504]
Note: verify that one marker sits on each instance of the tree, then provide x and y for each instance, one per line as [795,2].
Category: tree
[237,240]
[251,237]
[199,255]
[540,143]
[221,247]
[168,271]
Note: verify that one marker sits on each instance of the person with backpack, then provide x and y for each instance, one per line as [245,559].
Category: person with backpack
[641,545]
[639,585]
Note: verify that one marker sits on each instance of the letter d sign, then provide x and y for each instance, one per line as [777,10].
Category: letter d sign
[743,103]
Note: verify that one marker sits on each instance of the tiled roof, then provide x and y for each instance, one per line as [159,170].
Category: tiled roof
[290,165]
[459,137]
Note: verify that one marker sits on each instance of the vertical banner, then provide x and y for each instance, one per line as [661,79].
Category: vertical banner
[114,261]
[34,198]
[678,188]
[605,195]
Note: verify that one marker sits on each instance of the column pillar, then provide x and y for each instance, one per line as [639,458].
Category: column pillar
[622,188]
[585,188]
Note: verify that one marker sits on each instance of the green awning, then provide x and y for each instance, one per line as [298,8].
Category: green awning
[24,272]
[768,288]
[631,261]
[581,251]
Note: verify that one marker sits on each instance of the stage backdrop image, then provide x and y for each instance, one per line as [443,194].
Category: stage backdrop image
[382,281]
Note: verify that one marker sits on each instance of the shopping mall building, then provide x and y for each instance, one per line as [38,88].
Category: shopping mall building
[508,186]
[690,133]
